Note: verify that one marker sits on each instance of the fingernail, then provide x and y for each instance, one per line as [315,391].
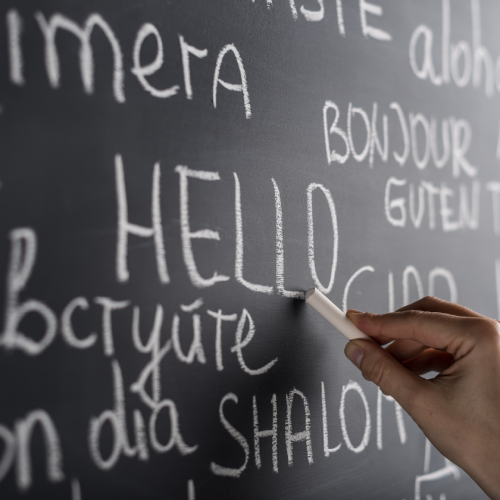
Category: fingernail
[354,353]
[353,315]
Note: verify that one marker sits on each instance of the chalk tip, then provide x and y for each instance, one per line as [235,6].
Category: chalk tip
[309,293]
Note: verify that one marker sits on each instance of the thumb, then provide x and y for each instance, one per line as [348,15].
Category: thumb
[379,367]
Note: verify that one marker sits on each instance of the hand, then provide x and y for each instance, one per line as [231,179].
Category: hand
[459,410]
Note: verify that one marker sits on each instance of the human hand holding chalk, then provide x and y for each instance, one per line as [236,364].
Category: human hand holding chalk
[457,410]
[334,315]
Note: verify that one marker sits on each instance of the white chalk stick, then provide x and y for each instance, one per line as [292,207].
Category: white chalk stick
[334,315]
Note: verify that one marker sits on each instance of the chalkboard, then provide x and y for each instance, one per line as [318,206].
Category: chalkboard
[174,175]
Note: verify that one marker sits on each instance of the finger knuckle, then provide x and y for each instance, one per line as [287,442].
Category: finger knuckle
[377,371]
[429,300]
[414,318]
[414,314]
[489,331]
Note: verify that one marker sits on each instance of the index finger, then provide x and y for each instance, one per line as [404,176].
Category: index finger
[438,330]
[433,304]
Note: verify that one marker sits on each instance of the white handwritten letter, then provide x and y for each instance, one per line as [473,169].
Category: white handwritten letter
[140,71]
[49,30]
[238,267]
[272,433]
[187,49]
[186,235]
[296,437]
[217,469]
[354,386]
[376,10]
[332,155]
[24,429]
[235,87]
[310,236]
[16,61]
[22,260]
[280,250]
[125,227]
[398,203]
[241,343]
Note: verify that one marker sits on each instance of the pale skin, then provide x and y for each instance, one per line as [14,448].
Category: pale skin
[459,410]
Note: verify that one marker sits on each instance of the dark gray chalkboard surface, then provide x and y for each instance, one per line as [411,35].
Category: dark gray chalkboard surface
[174,175]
